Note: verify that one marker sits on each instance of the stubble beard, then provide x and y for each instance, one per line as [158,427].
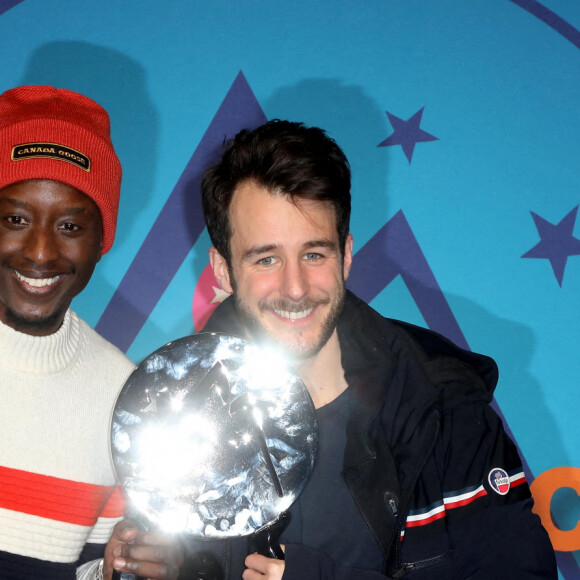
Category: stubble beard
[295,350]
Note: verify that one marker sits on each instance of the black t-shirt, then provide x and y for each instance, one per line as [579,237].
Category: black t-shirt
[325,517]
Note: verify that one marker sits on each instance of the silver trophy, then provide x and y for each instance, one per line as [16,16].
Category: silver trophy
[214,437]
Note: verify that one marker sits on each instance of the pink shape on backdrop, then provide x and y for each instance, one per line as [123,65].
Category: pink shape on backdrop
[206,297]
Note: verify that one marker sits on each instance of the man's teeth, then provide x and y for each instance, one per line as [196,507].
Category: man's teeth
[293,315]
[38,282]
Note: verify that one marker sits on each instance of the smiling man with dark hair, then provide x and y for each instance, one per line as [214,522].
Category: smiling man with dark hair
[415,476]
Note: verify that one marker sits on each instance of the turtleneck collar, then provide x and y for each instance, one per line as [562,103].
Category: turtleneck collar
[40,354]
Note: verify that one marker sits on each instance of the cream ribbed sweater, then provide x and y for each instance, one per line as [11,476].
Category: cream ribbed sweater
[58,501]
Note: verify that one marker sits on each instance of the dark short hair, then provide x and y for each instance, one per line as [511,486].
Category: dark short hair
[286,158]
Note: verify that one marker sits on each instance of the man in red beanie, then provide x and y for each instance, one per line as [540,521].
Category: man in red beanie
[59,503]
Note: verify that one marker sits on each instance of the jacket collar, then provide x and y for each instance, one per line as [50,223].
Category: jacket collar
[421,368]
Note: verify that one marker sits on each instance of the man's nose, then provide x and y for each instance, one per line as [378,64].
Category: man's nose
[295,283]
[41,245]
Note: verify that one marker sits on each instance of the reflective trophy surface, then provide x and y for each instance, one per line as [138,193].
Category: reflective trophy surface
[213,437]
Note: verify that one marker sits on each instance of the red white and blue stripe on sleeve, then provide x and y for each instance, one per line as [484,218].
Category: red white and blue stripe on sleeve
[455,500]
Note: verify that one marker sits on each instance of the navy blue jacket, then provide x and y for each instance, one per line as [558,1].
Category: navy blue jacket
[427,461]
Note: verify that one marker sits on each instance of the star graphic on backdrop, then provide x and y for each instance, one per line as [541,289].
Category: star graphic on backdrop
[407,133]
[556,242]
[219,295]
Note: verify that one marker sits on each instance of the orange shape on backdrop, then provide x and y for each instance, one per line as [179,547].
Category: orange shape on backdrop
[543,489]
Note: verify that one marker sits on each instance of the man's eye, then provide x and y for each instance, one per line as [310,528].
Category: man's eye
[69,227]
[16,220]
[313,256]
[267,261]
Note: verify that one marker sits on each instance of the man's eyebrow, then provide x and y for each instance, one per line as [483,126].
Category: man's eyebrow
[15,202]
[258,250]
[322,243]
[24,205]
[76,210]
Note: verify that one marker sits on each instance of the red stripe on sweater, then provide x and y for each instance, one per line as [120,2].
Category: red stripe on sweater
[58,499]
[116,504]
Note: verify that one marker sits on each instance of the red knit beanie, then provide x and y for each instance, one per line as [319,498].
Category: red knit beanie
[57,134]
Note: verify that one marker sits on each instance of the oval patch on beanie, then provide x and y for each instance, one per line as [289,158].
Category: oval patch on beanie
[499,480]
[52,150]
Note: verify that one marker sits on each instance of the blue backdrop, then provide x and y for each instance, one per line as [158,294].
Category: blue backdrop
[461,122]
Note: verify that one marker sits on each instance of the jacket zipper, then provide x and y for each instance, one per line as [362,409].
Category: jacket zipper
[421,564]
[402,568]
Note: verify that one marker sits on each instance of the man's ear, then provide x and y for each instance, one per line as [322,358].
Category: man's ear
[347,262]
[220,270]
